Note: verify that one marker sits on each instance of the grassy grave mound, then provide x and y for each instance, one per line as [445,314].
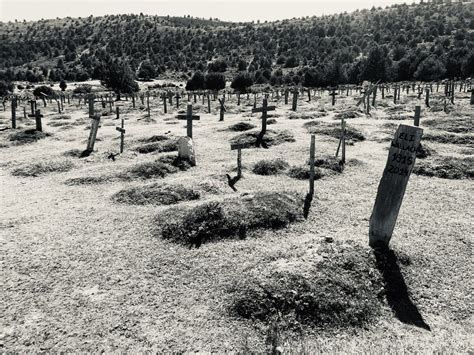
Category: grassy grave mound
[155,169]
[87,180]
[159,147]
[446,168]
[347,115]
[341,290]
[449,138]
[75,153]
[42,168]
[269,167]
[302,173]
[452,125]
[154,139]
[241,126]
[271,138]
[27,136]
[330,163]
[424,151]
[353,135]
[271,121]
[155,194]
[230,218]
[60,117]
[306,115]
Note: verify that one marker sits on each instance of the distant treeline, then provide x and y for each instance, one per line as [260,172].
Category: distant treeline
[403,42]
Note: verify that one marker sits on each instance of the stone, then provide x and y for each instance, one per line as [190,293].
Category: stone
[186,150]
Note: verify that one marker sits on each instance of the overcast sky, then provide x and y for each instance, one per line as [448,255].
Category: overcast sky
[231,10]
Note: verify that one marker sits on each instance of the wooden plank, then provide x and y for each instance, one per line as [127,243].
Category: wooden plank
[400,162]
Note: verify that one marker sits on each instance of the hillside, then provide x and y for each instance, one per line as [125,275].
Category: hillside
[402,42]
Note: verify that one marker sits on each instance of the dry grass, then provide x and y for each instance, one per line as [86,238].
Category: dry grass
[446,168]
[271,138]
[230,218]
[453,125]
[449,138]
[42,168]
[155,194]
[269,167]
[241,126]
[28,136]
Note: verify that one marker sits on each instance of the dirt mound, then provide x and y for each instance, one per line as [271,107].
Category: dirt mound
[229,218]
[155,194]
[269,167]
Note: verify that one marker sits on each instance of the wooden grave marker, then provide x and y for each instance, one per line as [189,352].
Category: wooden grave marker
[37,115]
[14,106]
[294,104]
[92,135]
[416,121]
[333,94]
[189,117]
[122,134]
[400,162]
[342,142]
[222,108]
[264,110]
[310,194]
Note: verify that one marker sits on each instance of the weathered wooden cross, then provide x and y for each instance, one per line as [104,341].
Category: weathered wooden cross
[38,116]
[222,108]
[342,142]
[264,110]
[93,134]
[295,100]
[163,97]
[122,134]
[14,106]
[310,194]
[333,94]
[189,117]
[416,121]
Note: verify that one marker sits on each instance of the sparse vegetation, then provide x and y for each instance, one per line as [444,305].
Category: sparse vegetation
[446,167]
[269,167]
[155,194]
[230,218]
[41,168]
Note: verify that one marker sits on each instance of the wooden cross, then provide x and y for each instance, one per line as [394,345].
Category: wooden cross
[33,107]
[165,109]
[189,117]
[38,117]
[222,109]
[416,121]
[122,135]
[232,181]
[295,100]
[310,194]
[264,110]
[14,105]
[208,103]
[93,133]
[342,142]
[178,96]
[427,97]
[333,94]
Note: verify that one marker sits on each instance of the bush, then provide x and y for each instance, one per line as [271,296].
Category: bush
[82,89]
[43,91]
[229,218]
[155,194]
[42,168]
[340,291]
[269,167]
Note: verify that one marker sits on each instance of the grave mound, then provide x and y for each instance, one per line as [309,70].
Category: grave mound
[155,169]
[303,173]
[347,115]
[353,135]
[27,136]
[271,138]
[241,126]
[271,121]
[449,138]
[155,194]
[42,168]
[452,125]
[159,147]
[230,218]
[87,180]
[270,167]
[306,115]
[338,290]
[446,168]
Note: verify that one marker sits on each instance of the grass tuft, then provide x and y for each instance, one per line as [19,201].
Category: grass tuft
[42,168]
[155,194]
[446,168]
[271,138]
[341,291]
[28,136]
[229,218]
[269,167]
[241,126]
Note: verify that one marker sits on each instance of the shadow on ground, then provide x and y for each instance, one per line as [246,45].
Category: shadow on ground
[396,289]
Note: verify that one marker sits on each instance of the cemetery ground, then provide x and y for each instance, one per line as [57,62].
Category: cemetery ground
[99,253]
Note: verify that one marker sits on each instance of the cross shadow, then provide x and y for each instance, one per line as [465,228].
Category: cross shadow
[396,289]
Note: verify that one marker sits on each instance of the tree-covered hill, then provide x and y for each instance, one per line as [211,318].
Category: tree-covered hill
[402,42]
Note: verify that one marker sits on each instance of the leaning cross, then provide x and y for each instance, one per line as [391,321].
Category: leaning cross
[93,133]
[189,117]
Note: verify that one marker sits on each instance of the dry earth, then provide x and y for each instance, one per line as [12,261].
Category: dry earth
[81,271]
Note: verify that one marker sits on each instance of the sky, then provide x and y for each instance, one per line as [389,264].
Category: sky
[229,10]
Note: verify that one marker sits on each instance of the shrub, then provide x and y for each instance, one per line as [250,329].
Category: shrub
[269,167]
[43,91]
